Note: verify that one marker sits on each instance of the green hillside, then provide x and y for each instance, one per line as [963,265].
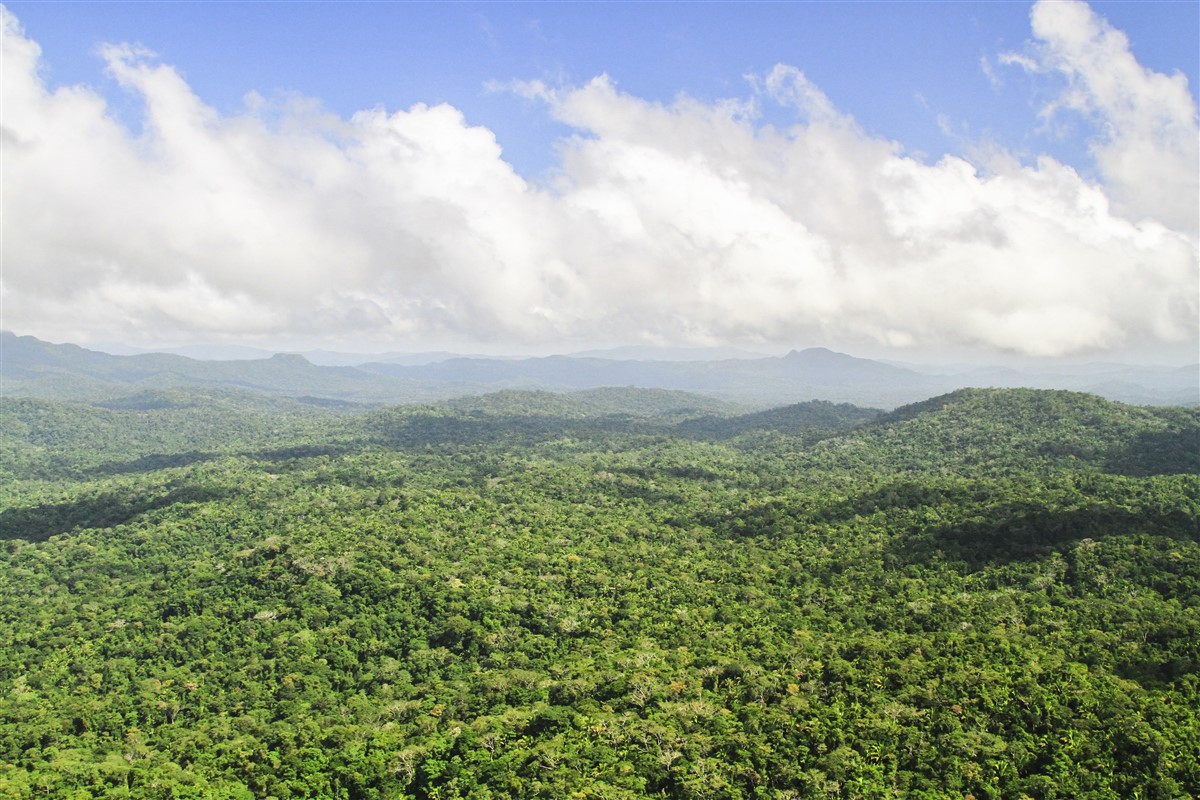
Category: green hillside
[46,439]
[993,431]
[814,415]
[661,404]
[992,594]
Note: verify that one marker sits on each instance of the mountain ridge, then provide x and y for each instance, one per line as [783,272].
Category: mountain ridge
[31,367]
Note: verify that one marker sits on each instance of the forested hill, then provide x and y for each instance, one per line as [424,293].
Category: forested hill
[617,594]
[998,431]
[975,430]
[662,404]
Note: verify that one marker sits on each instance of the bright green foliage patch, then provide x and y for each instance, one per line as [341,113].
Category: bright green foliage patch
[995,594]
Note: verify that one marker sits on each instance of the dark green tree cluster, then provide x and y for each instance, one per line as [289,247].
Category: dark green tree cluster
[995,594]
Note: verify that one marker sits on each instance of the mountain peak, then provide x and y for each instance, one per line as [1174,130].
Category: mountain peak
[291,359]
[814,353]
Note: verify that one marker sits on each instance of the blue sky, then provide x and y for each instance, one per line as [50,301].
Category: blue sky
[915,176]
[897,67]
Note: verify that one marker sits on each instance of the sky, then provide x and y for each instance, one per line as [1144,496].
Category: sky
[975,179]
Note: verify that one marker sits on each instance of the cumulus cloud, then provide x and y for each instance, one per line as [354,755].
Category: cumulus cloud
[686,223]
[1147,147]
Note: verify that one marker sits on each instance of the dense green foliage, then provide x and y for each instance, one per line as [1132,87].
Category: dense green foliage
[992,594]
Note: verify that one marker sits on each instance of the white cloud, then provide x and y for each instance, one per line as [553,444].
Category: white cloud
[1148,145]
[687,222]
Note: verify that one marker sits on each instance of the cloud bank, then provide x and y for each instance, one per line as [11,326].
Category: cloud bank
[681,223]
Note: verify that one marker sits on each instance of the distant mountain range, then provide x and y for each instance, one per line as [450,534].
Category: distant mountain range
[813,374]
[30,367]
[334,358]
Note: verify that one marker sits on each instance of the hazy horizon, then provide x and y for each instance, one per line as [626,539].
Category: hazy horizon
[922,360]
